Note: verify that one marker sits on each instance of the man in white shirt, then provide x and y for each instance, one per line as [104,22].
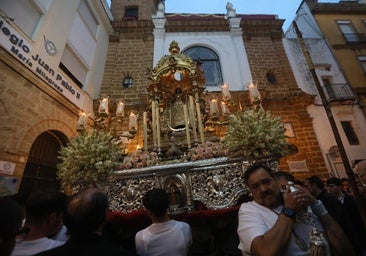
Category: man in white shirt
[270,226]
[44,217]
[164,236]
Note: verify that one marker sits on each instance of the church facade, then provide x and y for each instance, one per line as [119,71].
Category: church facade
[234,49]
[48,76]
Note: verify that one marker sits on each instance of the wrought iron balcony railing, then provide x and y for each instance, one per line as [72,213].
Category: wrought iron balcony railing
[338,92]
[355,38]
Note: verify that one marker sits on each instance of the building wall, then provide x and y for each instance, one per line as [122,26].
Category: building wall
[130,54]
[137,45]
[346,55]
[322,52]
[29,108]
[145,8]
[235,68]
[35,94]
[266,53]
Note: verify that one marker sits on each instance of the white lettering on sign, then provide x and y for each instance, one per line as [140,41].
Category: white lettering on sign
[20,48]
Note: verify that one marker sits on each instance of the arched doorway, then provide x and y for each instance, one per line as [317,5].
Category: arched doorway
[40,170]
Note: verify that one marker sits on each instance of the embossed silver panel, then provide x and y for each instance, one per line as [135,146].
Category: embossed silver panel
[217,183]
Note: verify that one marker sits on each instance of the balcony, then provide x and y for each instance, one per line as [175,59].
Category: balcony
[340,92]
[354,38]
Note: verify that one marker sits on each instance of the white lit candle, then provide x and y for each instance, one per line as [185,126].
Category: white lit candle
[83,117]
[225,92]
[214,110]
[224,109]
[186,123]
[144,117]
[253,92]
[103,105]
[120,111]
[132,125]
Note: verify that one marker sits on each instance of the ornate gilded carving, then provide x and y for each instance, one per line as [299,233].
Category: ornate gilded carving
[217,183]
[172,72]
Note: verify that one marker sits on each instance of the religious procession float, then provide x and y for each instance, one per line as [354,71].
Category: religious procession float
[196,144]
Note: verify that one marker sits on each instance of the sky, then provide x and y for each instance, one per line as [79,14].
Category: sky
[285,9]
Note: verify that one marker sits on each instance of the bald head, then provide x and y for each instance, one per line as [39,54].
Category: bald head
[360,170]
[361,167]
[86,212]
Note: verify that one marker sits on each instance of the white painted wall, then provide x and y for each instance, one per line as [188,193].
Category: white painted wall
[55,25]
[321,53]
[229,46]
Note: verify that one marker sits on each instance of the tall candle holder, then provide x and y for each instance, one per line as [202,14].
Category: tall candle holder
[222,105]
[113,121]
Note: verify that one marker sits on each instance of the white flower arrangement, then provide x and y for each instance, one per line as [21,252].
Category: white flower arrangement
[88,158]
[256,134]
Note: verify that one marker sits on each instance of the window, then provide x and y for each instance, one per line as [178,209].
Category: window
[346,27]
[87,16]
[73,67]
[350,133]
[131,13]
[349,32]
[26,14]
[210,64]
[78,55]
[82,37]
[362,60]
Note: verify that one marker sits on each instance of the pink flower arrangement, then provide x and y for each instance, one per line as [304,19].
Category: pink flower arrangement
[207,150]
[139,159]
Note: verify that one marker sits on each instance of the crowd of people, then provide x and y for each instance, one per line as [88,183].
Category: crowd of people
[311,218]
[285,217]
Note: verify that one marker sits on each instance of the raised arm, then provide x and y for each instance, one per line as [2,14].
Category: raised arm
[273,241]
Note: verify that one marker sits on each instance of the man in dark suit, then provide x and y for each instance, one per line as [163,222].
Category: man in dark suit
[316,187]
[354,227]
[85,218]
